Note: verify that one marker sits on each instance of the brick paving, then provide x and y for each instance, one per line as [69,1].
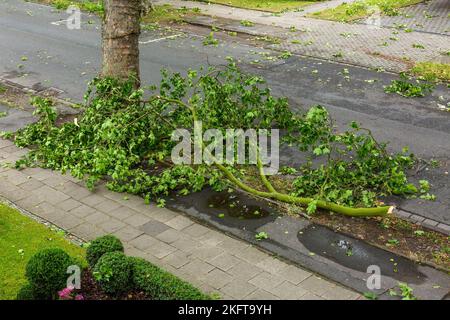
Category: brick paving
[392,49]
[430,16]
[207,258]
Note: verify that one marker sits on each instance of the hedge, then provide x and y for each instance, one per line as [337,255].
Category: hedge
[161,285]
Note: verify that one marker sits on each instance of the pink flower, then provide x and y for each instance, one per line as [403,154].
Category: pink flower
[65,293]
[79,297]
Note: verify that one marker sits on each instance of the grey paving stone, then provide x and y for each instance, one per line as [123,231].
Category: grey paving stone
[82,211]
[75,191]
[185,244]
[224,261]
[251,255]
[69,204]
[272,265]
[97,218]
[217,278]
[294,274]
[112,225]
[5,143]
[233,246]
[30,184]
[122,213]
[244,271]
[160,249]
[161,214]
[29,202]
[288,291]
[260,294]
[128,233]
[55,181]
[316,285]
[143,242]
[87,231]
[197,267]
[179,222]
[177,259]
[266,281]
[50,195]
[92,200]
[107,206]
[169,236]
[48,212]
[196,230]
[154,227]
[38,173]
[310,296]
[212,238]
[238,289]
[68,222]
[15,177]
[339,293]
[137,220]
[12,192]
[206,252]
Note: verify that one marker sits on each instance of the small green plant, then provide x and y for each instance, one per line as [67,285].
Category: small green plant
[392,242]
[418,46]
[113,272]
[247,23]
[408,89]
[261,236]
[3,114]
[100,246]
[370,295]
[46,272]
[285,55]
[210,40]
[406,291]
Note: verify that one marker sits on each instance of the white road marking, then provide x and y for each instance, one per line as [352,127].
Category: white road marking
[59,22]
[160,39]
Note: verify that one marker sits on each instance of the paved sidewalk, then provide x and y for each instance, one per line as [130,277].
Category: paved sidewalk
[209,259]
[359,44]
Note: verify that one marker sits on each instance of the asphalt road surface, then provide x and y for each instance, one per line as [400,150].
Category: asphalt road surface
[37,49]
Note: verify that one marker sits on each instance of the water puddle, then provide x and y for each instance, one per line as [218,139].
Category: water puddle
[232,209]
[357,255]
[234,206]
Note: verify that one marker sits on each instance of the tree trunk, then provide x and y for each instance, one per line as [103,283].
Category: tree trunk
[120,39]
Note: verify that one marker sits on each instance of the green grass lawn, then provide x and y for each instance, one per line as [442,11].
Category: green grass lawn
[432,71]
[352,11]
[265,5]
[20,238]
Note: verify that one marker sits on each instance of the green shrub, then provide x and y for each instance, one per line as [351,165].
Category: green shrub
[25,293]
[113,272]
[100,246]
[47,272]
[161,285]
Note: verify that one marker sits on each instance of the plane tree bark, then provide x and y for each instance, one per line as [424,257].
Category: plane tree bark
[120,38]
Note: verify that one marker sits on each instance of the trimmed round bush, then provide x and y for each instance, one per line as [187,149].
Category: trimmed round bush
[100,246]
[25,293]
[113,272]
[46,272]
